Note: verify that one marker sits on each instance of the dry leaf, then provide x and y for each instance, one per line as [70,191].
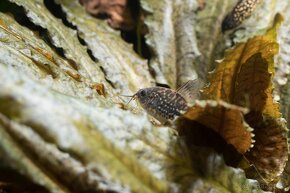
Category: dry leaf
[225,119]
[117,12]
[228,80]
[100,88]
[56,125]
[244,78]
[251,82]
[269,155]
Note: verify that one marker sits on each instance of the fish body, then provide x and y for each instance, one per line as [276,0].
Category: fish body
[161,103]
[165,104]
[242,10]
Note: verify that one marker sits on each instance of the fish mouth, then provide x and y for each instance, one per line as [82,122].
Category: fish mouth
[132,97]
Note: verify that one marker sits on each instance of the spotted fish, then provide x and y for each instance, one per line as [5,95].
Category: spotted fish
[242,10]
[165,104]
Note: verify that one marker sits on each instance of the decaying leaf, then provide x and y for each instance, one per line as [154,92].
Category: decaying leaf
[225,119]
[224,79]
[100,88]
[269,155]
[56,129]
[93,147]
[201,4]
[251,82]
[117,12]
[244,78]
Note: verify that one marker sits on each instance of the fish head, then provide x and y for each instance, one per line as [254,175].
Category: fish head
[144,95]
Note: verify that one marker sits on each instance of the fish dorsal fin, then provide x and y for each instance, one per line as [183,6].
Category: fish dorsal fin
[190,90]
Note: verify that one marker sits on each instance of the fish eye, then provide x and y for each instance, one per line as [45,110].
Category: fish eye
[143,93]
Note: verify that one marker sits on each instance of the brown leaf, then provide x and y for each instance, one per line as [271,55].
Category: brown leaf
[247,62]
[100,88]
[251,83]
[117,12]
[270,153]
[46,54]
[201,4]
[244,78]
[225,119]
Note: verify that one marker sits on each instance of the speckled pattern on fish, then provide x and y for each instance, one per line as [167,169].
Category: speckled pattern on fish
[165,104]
[240,12]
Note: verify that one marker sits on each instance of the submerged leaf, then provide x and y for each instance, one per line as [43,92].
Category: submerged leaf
[213,170]
[269,155]
[244,78]
[251,83]
[12,151]
[26,52]
[100,88]
[228,81]
[63,37]
[225,119]
[59,132]
[122,66]
[56,120]
[211,42]
[100,149]
[172,39]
